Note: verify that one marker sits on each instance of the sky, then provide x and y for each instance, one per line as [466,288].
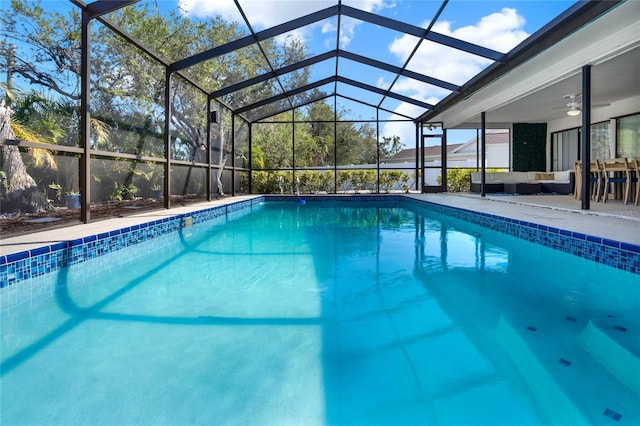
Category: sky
[498,25]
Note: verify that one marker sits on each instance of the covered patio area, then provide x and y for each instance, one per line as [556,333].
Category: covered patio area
[614,208]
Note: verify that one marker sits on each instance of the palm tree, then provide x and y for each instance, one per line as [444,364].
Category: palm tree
[19,192]
[34,117]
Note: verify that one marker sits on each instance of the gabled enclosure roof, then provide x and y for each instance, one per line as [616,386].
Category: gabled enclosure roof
[401,58]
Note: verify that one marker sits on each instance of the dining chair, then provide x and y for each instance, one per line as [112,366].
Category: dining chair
[595,170]
[616,171]
[577,186]
[636,179]
[595,180]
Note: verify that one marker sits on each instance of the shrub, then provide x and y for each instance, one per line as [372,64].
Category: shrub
[459,180]
[363,180]
[389,179]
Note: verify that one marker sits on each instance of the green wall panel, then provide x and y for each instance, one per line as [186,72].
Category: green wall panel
[529,147]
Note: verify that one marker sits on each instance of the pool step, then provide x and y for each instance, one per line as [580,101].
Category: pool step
[616,349]
[556,406]
[570,385]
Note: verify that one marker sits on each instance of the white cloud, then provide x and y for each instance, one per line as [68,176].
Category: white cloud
[499,31]
[405,130]
[265,14]
[419,89]
[382,83]
[348,26]
[261,14]
[369,5]
[203,8]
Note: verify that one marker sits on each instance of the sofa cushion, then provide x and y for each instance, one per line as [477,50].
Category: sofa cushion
[514,177]
[520,177]
[501,177]
[563,176]
[545,176]
[497,177]
[531,176]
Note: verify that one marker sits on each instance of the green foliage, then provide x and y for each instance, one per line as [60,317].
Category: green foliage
[127,98]
[344,177]
[390,146]
[393,179]
[46,40]
[124,192]
[58,190]
[355,143]
[127,85]
[458,180]
[4,183]
[314,182]
[363,180]
[272,144]
[267,182]
[314,140]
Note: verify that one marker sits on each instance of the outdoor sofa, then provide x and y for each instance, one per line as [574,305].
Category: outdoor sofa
[561,182]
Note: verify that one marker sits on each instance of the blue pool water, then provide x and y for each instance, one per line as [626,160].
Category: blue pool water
[324,313]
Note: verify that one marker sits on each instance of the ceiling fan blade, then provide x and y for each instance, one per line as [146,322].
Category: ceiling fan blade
[565,108]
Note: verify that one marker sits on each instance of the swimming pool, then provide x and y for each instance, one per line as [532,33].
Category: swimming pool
[323,313]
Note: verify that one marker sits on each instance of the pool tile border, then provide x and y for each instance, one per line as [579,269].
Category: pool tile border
[21,266]
[27,264]
[620,255]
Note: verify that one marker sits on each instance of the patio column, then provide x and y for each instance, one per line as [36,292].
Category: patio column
[208,174]
[85,118]
[335,145]
[483,147]
[444,160]
[293,151]
[167,138]
[250,165]
[233,154]
[586,137]
[422,158]
[378,150]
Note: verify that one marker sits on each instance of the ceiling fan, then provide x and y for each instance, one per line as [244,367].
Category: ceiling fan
[574,105]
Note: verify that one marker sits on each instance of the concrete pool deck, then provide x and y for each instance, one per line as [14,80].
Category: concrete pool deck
[612,220]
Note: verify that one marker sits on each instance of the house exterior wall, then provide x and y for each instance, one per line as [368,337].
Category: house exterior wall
[609,113]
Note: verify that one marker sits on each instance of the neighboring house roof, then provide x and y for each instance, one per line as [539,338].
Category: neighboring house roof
[492,137]
[409,154]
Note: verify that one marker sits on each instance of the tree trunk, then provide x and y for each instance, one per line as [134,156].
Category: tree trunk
[221,163]
[19,193]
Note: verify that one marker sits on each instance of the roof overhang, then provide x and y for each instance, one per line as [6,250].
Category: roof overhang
[530,85]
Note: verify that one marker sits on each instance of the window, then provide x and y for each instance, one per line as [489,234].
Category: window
[600,141]
[564,149]
[628,136]
[566,145]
